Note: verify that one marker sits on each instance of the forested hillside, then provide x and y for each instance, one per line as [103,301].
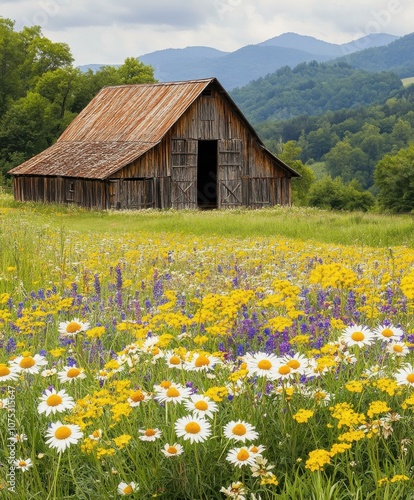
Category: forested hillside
[350,142]
[398,57]
[312,89]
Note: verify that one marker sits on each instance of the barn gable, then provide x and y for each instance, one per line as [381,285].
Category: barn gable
[179,144]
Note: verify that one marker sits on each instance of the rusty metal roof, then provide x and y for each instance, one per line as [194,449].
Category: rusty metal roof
[119,125]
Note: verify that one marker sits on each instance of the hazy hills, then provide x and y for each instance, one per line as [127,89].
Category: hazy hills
[236,69]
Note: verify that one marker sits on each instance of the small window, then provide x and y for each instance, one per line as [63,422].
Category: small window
[207,93]
[70,195]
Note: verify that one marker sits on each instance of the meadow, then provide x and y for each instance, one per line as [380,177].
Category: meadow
[205,355]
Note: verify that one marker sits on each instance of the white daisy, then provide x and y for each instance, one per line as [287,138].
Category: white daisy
[138,397]
[71,373]
[18,438]
[175,393]
[72,327]
[241,456]
[23,465]
[405,375]
[172,450]
[8,372]
[48,372]
[173,360]
[388,332]
[297,363]
[202,362]
[61,436]
[193,428]
[399,349]
[236,490]
[127,488]
[29,364]
[96,435]
[149,434]
[262,364]
[358,335]
[3,403]
[283,371]
[55,402]
[240,431]
[200,405]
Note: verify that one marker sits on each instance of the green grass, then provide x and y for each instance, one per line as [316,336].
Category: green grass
[365,229]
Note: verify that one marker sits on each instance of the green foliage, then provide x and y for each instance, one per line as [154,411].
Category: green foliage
[290,153]
[334,194]
[349,141]
[312,89]
[394,176]
[396,57]
[41,92]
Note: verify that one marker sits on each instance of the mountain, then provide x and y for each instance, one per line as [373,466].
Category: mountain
[315,46]
[398,56]
[236,69]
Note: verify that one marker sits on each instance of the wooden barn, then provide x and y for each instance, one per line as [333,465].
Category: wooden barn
[179,144]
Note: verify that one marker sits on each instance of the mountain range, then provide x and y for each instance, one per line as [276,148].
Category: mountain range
[235,69]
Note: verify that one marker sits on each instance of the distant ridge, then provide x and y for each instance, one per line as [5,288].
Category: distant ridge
[236,69]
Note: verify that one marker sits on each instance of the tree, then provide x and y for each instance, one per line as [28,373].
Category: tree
[333,194]
[290,153]
[394,177]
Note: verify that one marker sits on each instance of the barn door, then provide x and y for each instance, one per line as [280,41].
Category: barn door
[230,173]
[184,173]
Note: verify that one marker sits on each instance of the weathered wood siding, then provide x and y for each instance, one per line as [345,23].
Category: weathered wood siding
[82,192]
[166,175]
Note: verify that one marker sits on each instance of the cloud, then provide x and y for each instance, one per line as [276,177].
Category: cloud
[108,31]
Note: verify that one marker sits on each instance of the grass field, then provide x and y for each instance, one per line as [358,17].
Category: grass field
[205,355]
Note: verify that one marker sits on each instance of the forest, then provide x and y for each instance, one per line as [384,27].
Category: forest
[342,128]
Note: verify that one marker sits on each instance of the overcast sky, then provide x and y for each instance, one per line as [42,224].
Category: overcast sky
[108,31]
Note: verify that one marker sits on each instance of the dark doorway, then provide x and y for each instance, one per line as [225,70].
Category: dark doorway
[207,174]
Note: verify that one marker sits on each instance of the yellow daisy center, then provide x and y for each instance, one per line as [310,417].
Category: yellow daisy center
[410,378]
[54,400]
[128,490]
[201,405]
[137,396]
[387,332]
[264,364]
[73,327]
[22,463]
[357,336]
[27,362]
[239,430]
[62,432]
[243,455]
[165,384]
[192,428]
[4,371]
[284,370]
[294,364]
[397,348]
[175,360]
[254,449]
[172,449]
[73,372]
[96,434]
[202,361]
[150,432]
[172,392]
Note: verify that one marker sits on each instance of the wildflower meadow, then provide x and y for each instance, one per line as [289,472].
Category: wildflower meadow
[182,366]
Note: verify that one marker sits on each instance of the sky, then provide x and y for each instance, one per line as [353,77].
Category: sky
[109,31]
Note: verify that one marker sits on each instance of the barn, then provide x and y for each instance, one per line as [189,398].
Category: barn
[165,145]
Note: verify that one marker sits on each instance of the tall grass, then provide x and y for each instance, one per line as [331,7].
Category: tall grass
[364,229]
